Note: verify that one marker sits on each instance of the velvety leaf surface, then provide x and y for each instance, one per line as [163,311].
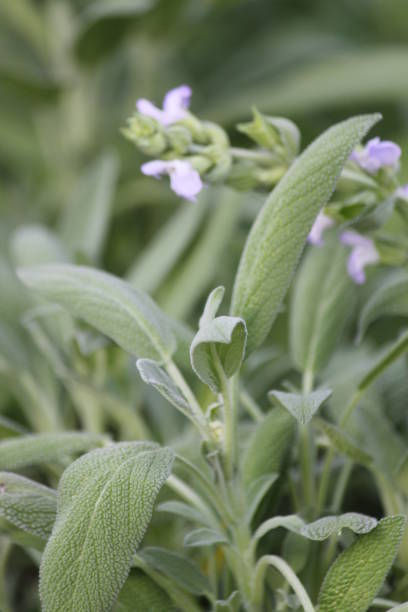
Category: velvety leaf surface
[105,502]
[356,576]
[329,525]
[21,451]
[279,233]
[115,308]
[140,593]
[28,505]
[301,406]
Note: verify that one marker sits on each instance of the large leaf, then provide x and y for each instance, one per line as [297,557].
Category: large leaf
[116,309]
[341,441]
[105,502]
[356,576]
[21,451]
[268,445]
[302,406]
[279,233]
[321,304]
[227,337]
[86,217]
[27,505]
[391,298]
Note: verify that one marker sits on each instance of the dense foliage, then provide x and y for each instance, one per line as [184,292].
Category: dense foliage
[204,378]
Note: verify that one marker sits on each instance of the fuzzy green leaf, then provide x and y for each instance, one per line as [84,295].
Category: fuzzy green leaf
[116,309]
[279,233]
[227,336]
[21,451]
[301,406]
[212,305]
[27,505]
[141,593]
[181,509]
[324,527]
[204,537]
[320,306]
[342,443]
[152,374]
[356,576]
[36,244]
[105,503]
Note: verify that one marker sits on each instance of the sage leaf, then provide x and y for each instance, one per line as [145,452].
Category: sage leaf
[36,244]
[18,452]
[116,309]
[268,446]
[212,305]
[226,336]
[86,218]
[301,406]
[180,569]
[341,441]
[203,537]
[277,238]
[291,522]
[389,299]
[356,576]
[321,304]
[140,593]
[256,492]
[324,527]
[152,374]
[105,502]
[27,505]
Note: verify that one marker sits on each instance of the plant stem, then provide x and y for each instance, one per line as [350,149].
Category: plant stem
[286,571]
[307,450]
[189,495]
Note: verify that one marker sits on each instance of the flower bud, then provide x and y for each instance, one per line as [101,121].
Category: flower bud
[147,134]
[179,139]
[273,133]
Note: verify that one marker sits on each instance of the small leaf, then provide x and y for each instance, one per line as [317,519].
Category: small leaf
[301,406]
[116,309]
[356,576]
[86,217]
[204,537]
[21,451]
[36,244]
[182,509]
[268,446]
[321,303]
[105,503]
[227,336]
[342,443]
[279,233]
[390,299]
[152,374]
[324,527]
[141,594]
[28,505]
[212,305]
[181,570]
[291,522]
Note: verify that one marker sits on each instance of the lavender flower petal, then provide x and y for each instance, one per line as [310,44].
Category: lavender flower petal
[363,253]
[321,223]
[376,154]
[175,103]
[185,181]
[402,192]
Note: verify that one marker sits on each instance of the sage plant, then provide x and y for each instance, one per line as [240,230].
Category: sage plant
[253,494]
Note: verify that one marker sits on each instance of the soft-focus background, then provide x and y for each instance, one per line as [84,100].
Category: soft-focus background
[71,189]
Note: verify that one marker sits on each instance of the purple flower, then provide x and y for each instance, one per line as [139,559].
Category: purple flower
[363,253]
[402,192]
[321,223]
[376,154]
[184,180]
[175,103]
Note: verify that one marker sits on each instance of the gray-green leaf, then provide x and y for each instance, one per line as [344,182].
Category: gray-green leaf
[324,527]
[152,374]
[301,406]
[105,502]
[21,451]
[342,442]
[212,305]
[356,576]
[279,233]
[28,505]
[226,336]
[116,309]
[321,303]
[141,593]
